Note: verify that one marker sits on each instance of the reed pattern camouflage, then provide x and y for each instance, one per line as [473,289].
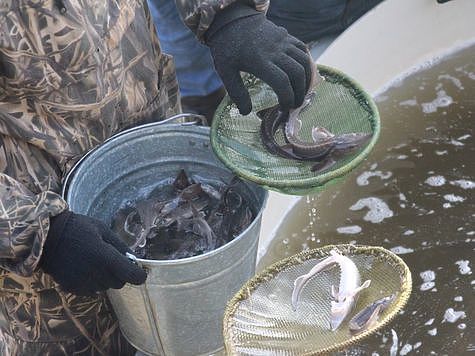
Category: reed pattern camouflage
[72,73]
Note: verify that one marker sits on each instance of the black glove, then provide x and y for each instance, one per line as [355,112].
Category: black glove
[242,39]
[84,256]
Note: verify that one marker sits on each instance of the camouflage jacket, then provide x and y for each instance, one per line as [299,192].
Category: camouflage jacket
[72,73]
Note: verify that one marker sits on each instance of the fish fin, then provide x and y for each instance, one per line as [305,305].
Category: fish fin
[127,223]
[323,165]
[301,281]
[261,114]
[352,141]
[181,181]
[320,133]
[358,290]
[334,292]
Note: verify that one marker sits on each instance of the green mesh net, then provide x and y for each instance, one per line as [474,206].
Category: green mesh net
[340,105]
[259,320]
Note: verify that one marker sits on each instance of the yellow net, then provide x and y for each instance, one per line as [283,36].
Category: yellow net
[259,320]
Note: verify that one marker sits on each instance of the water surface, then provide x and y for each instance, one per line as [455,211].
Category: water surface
[413,195]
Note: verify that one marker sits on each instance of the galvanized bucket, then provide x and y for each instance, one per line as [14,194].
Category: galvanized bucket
[180,308]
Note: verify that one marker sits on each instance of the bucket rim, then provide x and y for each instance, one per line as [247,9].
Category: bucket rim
[165,123]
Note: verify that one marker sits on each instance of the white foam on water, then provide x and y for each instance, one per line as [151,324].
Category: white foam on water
[456,143]
[441,153]
[408,232]
[462,326]
[428,275]
[427,286]
[443,100]
[401,250]
[458,298]
[435,181]
[405,349]
[352,229]
[432,332]
[402,197]
[363,178]
[453,198]
[429,322]
[428,278]
[402,157]
[454,80]
[452,316]
[464,137]
[378,209]
[464,267]
[409,102]
[417,345]
[463,183]
[394,346]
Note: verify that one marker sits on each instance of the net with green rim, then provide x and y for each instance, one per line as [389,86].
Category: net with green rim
[340,105]
[259,320]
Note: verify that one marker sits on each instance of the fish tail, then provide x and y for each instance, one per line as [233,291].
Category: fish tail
[301,281]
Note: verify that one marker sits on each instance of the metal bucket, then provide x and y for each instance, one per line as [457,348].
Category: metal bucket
[180,308]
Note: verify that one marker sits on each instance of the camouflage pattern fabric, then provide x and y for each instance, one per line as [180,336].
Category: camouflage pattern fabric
[72,73]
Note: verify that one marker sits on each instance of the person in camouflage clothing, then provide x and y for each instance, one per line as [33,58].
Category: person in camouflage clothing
[73,73]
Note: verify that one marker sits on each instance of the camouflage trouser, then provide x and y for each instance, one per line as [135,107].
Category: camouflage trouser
[51,322]
[10,346]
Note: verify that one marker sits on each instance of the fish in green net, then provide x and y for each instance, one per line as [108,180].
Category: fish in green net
[348,290]
[325,148]
[367,317]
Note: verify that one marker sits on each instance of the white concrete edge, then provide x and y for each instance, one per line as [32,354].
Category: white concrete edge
[277,207]
[398,37]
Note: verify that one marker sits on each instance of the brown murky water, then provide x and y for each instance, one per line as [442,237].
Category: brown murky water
[414,195]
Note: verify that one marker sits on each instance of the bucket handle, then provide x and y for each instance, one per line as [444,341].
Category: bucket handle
[191,119]
[198,119]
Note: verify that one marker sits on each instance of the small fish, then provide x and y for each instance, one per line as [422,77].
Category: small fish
[369,315]
[147,211]
[347,293]
[324,149]
[189,193]
[201,228]
[180,213]
[345,144]
[271,119]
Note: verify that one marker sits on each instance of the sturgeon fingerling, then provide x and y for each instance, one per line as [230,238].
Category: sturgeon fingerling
[368,316]
[345,297]
[325,148]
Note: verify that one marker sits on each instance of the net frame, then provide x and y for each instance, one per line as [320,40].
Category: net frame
[230,336]
[311,183]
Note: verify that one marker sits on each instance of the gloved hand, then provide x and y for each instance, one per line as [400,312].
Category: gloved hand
[242,39]
[84,256]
